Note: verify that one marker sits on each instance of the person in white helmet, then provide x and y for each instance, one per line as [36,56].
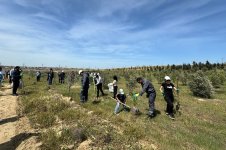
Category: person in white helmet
[167,91]
[121,98]
[85,86]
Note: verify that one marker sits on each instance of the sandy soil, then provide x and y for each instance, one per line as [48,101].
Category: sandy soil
[15,130]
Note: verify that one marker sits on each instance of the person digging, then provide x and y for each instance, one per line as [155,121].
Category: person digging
[121,99]
[151,94]
[167,91]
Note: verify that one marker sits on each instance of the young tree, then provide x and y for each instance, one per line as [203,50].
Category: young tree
[71,80]
[200,85]
[217,77]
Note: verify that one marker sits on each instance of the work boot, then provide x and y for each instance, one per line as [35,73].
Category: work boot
[171,116]
[151,114]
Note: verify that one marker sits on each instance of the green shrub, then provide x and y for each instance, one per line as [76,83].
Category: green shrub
[50,141]
[45,119]
[217,77]
[200,85]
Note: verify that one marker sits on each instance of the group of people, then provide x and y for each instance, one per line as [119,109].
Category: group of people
[166,89]
[50,76]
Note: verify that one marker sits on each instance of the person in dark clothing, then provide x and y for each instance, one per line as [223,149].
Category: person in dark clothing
[85,86]
[62,77]
[167,91]
[115,86]
[16,76]
[99,83]
[121,98]
[151,94]
[38,76]
[50,76]
[1,77]
[59,79]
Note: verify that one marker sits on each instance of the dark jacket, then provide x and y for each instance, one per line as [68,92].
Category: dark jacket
[147,87]
[62,75]
[16,75]
[50,75]
[85,80]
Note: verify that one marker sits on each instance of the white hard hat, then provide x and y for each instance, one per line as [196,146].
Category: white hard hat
[167,78]
[121,91]
[80,71]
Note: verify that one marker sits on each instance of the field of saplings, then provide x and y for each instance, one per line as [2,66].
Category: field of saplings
[63,122]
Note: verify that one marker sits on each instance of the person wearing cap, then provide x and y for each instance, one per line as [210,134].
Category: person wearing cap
[50,76]
[120,97]
[85,86]
[16,76]
[148,87]
[167,91]
[62,77]
[99,83]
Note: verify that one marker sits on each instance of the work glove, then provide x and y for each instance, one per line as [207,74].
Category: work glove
[137,94]
[163,94]
[178,91]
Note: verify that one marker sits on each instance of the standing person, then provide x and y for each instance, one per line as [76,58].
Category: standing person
[59,79]
[167,91]
[16,76]
[115,86]
[151,94]
[62,77]
[50,76]
[10,75]
[85,86]
[38,76]
[121,98]
[1,77]
[99,84]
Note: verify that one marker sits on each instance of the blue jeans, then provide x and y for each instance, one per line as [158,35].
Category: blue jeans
[84,95]
[117,107]
[50,81]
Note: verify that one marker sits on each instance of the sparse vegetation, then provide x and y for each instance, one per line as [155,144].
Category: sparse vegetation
[65,123]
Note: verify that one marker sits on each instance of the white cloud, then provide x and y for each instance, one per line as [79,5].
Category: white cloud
[109,7]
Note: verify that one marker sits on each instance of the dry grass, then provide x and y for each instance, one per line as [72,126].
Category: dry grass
[200,125]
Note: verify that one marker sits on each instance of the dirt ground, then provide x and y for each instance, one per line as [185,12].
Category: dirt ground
[15,130]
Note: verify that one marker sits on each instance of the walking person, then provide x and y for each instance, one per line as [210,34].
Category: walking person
[115,86]
[167,91]
[50,76]
[85,86]
[99,84]
[16,76]
[148,87]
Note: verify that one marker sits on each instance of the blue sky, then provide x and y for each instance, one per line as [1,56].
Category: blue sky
[111,33]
